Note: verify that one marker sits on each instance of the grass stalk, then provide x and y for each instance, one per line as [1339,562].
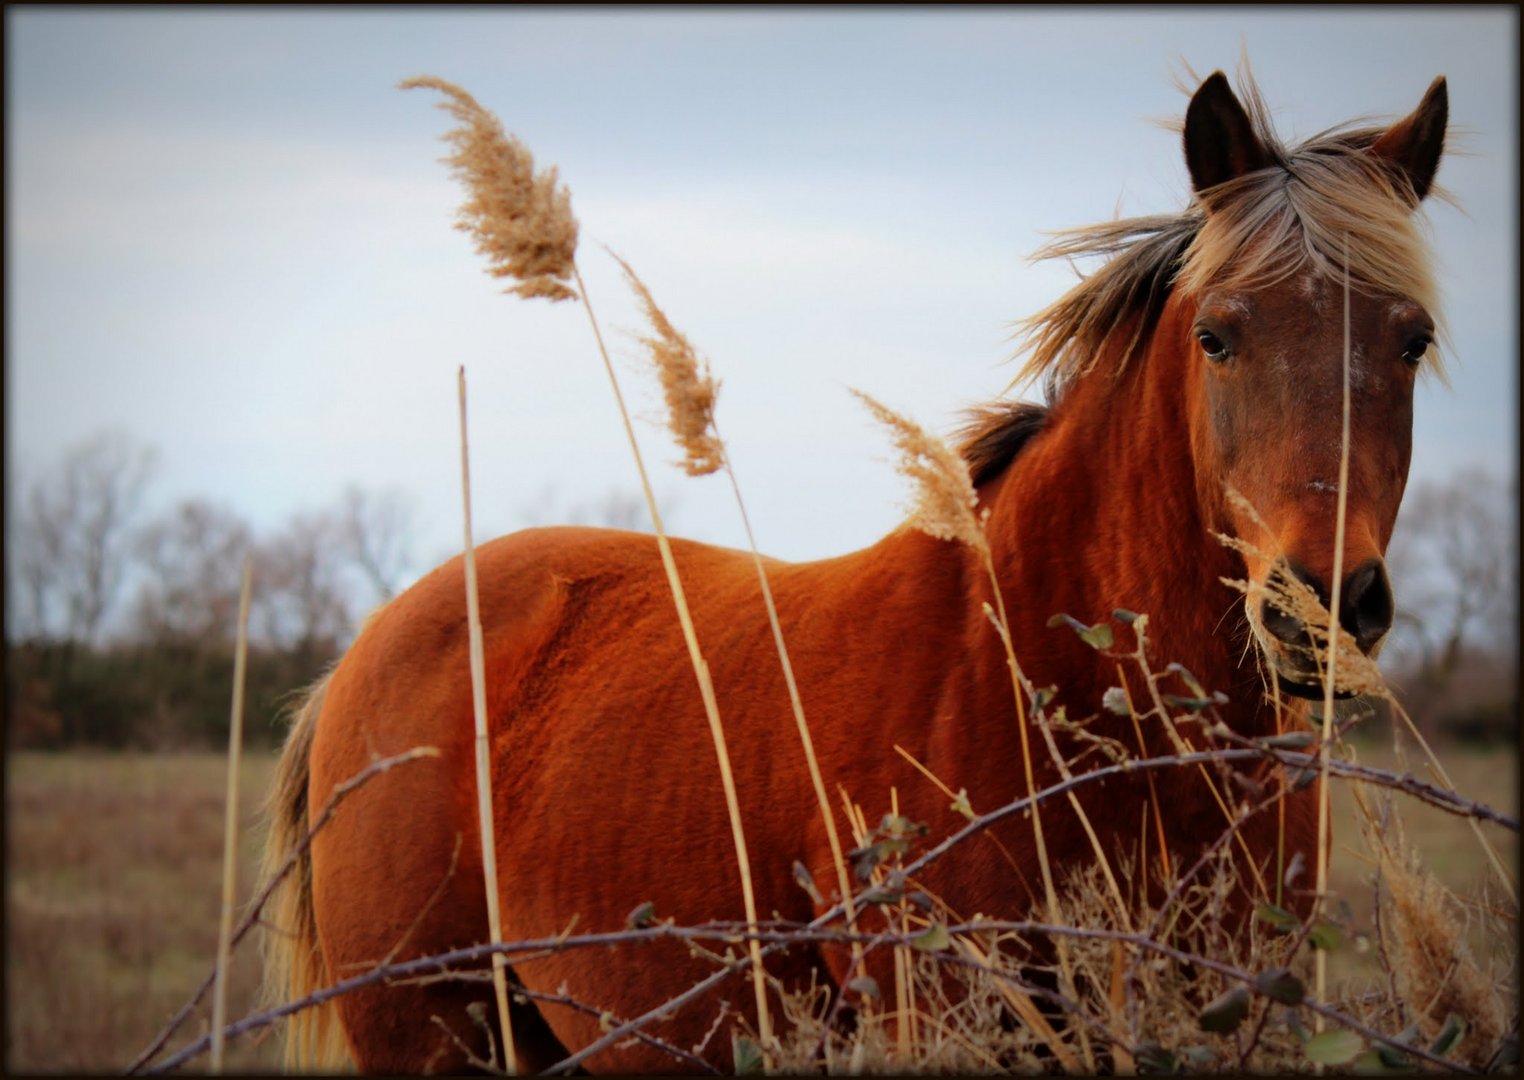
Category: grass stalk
[1004,627]
[904,1017]
[1017,683]
[706,686]
[483,750]
[230,834]
[946,508]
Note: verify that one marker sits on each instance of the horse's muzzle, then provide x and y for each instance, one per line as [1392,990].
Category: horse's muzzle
[1366,609]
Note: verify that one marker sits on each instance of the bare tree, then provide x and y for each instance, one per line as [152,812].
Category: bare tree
[1454,562]
[302,601]
[192,554]
[73,535]
[376,532]
[616,508]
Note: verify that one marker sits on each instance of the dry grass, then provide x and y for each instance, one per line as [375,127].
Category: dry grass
[1442,845]
[114,866]
[1135,999]
[1445,947]
[113,876]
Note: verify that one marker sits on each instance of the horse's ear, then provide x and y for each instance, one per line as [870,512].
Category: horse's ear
[1220,143]
[1412,146]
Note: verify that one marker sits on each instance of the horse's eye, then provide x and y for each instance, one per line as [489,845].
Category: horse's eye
[1212,345]
[1416,348]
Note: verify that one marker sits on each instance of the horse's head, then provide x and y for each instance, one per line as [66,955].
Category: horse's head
[1305,257]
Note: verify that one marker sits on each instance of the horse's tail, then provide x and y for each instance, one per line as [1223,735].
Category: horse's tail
[293,962]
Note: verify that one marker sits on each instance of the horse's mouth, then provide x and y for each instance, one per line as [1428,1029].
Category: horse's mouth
[1313,691]
[1295,667]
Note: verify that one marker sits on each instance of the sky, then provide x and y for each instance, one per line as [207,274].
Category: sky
[230,236]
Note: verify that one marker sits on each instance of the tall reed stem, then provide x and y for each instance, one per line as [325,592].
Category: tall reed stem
[230,832]
[843,882]
[1320,955]
[483,757]
[706,686]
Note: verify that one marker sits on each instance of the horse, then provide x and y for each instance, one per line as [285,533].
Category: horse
[1205,356]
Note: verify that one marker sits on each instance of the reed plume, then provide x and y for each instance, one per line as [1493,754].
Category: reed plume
[521,221]
[689,389]
[945,502]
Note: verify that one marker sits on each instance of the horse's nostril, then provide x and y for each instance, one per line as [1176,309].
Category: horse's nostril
[1366,605]
[1287,628]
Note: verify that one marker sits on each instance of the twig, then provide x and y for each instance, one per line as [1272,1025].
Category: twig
[781,937]
[686,1057]
[1238,975]
[1436,795]
[488,1067]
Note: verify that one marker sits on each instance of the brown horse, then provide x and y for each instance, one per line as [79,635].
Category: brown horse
[1206,354]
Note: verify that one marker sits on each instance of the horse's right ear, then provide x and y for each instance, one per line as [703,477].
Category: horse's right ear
[1220,143]
[1412,146]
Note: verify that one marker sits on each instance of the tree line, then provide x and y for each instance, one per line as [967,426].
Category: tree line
[120,625]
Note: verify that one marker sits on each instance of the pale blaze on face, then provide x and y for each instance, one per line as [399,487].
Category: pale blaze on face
[1271,364]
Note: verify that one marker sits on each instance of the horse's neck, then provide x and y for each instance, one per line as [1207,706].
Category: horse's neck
[1103,512]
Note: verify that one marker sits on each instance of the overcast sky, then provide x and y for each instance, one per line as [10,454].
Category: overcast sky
[230,236]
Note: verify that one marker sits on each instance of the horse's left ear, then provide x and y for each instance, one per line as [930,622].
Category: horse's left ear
[1412,146]
[1220,143]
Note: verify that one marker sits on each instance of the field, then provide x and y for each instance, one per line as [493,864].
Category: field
[114,871]
[114,885]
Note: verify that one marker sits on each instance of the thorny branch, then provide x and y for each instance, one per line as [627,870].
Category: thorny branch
[818,930]
[564,999]
[737,933]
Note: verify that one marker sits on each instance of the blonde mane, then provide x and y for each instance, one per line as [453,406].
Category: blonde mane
[1295,216]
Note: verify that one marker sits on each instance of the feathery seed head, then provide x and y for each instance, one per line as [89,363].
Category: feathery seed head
[521,222]
[1355,672]
[686,384]
[945,504]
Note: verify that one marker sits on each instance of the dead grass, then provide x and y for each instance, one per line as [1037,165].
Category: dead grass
[114,865]
[1446,948]
[1440,844]
[1443,842]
